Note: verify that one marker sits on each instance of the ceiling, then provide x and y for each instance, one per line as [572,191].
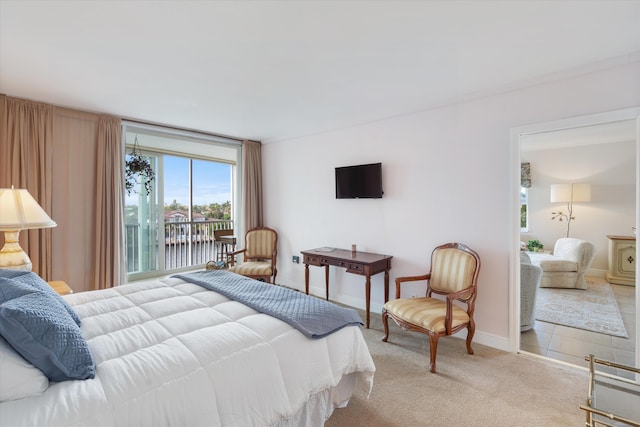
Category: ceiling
[275,70]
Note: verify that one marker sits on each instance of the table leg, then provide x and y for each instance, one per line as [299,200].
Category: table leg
[326,280]
[306,279]
[368,297]
[386,286]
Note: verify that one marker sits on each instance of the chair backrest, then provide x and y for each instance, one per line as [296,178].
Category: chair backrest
[454,267]
[261,243]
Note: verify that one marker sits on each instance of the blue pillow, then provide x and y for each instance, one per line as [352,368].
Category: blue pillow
[39,328]
[34,281]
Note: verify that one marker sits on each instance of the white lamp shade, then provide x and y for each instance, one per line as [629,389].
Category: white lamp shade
[581,192]
[20,211]
[566,193]
[560,193]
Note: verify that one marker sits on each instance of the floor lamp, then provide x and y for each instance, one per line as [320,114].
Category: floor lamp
[569,193]
[19,211]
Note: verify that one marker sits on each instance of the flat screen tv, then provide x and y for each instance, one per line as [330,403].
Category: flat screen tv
[359,182]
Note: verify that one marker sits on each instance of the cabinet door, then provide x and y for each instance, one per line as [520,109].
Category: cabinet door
[626,256]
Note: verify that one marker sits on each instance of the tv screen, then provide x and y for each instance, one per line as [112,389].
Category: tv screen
[359,182]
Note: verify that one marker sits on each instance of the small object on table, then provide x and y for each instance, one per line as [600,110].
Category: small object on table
[60,287]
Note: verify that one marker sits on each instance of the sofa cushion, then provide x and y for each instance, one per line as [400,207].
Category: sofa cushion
[558,265]
[428,313]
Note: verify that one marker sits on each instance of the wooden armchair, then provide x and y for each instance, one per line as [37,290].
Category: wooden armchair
[260,252]
[454,274]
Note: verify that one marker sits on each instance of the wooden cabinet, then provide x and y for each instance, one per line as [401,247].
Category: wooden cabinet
[622,260]
[60,287]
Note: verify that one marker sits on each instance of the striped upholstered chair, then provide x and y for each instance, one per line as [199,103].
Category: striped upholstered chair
[259,253]
[454,274]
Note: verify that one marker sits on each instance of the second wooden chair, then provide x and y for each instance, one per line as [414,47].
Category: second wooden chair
[259,255]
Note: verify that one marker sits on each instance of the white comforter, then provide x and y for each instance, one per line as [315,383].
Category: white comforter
[172,353]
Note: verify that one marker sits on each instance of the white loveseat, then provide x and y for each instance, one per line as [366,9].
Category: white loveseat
[567,266]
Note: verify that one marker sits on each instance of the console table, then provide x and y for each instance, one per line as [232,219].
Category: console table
[362,263]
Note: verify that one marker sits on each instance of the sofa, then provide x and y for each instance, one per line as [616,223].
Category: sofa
[530,276]
[566,267]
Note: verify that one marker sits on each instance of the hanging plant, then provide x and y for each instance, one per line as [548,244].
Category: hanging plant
[137,166]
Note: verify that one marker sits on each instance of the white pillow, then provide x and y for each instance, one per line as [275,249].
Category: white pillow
[19,377]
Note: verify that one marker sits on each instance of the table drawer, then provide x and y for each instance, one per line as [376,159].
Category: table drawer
[355,268]
[312,260]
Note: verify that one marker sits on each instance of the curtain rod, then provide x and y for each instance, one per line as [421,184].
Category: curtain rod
[231,139]
[181,131]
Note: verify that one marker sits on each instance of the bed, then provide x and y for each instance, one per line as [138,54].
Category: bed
[171,352]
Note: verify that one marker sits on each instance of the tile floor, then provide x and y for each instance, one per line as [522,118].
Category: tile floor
[572,345]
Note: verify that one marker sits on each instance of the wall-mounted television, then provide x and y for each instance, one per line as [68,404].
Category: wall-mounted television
[359,181]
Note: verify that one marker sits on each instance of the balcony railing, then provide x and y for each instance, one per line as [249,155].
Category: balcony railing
[186,244]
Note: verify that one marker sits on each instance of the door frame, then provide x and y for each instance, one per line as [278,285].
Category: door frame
[514,197]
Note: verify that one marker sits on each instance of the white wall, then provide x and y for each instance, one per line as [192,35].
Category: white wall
[446,178]
[611,171]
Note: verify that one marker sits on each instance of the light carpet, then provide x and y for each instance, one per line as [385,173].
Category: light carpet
[490,388]
[594,309]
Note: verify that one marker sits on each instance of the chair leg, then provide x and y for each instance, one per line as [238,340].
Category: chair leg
[385,322]
[433,349]
[471,329]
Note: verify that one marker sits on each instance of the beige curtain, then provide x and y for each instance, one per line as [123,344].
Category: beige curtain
[72,164]
[252,184]
[25,162]
[109,219]
[88,250]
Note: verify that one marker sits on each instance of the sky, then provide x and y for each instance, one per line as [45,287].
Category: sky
[211,182]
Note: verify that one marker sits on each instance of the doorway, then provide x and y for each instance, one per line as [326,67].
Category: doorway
[576,143]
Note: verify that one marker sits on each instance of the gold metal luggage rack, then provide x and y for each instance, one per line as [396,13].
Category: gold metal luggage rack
[613,400]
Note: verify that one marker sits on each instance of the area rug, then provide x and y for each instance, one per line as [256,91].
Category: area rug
[594,309]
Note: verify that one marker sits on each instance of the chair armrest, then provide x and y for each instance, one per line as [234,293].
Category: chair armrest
[464,295]
[231,258]
[400,280]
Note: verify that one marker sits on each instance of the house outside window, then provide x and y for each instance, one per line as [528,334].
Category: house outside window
[196,191]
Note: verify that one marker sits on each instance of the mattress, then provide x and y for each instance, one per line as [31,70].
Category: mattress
[172,353]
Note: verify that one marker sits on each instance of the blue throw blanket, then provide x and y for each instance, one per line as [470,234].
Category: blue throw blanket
[312,316]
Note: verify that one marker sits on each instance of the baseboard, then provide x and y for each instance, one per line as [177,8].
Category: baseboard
[480,337]
[596,273]
[290,284]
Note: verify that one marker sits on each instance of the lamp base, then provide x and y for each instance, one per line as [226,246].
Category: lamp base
[11,255]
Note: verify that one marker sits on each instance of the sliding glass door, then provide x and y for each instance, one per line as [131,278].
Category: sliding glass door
[171,227]
[143,222]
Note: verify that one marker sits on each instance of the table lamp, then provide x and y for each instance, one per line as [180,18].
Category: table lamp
[19,211]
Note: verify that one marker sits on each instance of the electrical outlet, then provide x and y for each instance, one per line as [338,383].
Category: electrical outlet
[296,259]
